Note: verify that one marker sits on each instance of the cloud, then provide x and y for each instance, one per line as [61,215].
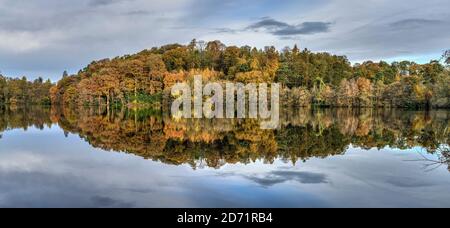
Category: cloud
[414,23]
[280,28]
[226,30]
[278,177]
[305,28]
[138,12]
[105,2]
[405,182]
[268,23]
[18,42]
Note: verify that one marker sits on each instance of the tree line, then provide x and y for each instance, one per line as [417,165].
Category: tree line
[308,78]
[318,79]
[20,91]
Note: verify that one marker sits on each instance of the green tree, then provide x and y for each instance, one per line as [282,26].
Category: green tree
[176,59]
[430,72]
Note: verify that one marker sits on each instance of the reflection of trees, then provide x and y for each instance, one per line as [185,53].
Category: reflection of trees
[445,157]
[442,155]
[21,117]
[303,134]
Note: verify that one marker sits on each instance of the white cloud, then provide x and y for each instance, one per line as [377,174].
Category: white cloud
[21,42]
[18,42]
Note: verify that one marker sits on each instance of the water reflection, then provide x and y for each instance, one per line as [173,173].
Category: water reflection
[303,134]
[222,163]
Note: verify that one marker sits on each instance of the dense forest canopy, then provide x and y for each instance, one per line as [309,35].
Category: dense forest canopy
[20,91]
[308,78]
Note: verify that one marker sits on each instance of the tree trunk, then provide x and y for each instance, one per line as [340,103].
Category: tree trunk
[135,89]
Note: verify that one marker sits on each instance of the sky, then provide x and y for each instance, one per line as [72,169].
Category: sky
[45,37]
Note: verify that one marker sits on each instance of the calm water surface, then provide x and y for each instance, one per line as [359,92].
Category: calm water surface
[124,158]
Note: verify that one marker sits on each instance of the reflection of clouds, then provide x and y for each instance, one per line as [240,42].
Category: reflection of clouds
[278,177]
[101,201]
[20,161]
[72,187]
[40,189]
[407,182]
[139,190]
[67,172]
[362,178]
[282,175]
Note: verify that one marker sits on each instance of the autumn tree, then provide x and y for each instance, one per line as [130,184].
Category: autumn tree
[232,61]
[365,92]
[347,93]
[3,90]
[314,78]
[214,51]
[17,91]
[176,59]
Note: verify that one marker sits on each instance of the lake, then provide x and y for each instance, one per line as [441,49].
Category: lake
[93,157]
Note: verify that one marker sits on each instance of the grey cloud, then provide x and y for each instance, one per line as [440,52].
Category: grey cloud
[398,38]
[282,29]
[269,24]
[138,12]
[226,30]
[105,2]
[52,35]
[87,33]
[32,22]
[101,2]
[305,28]
[414,23]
